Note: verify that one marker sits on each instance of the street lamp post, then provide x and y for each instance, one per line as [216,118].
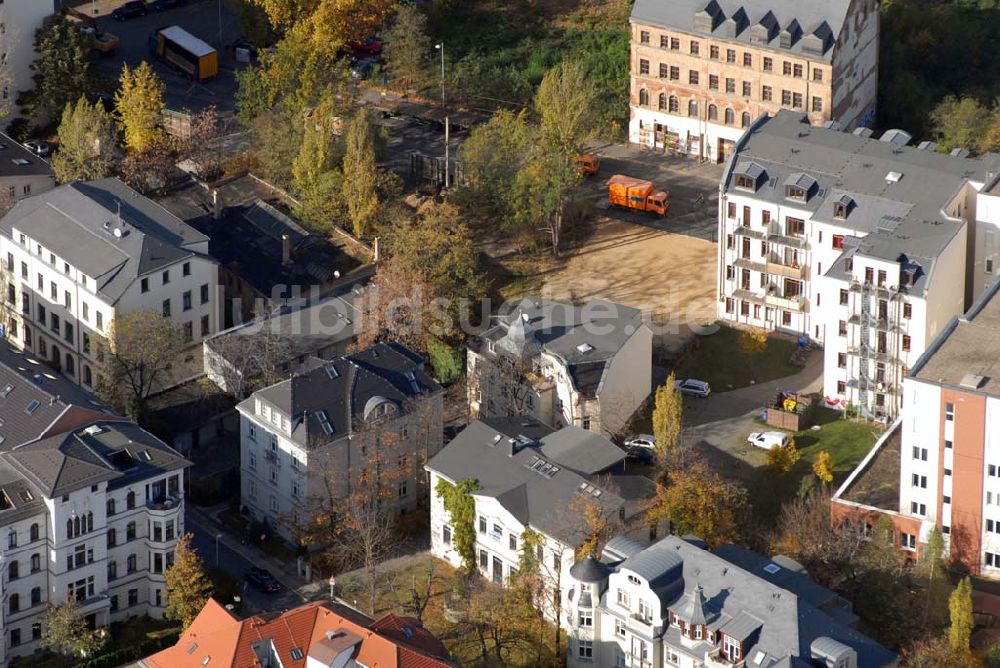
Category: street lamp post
[440,47]
[217,537]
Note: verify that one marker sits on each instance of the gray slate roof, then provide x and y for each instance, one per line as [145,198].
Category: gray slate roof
[76,221]
[15,160]
[740,602]
[814,22]
[344,390]
[481,452]
[586,338]
[895,219]
[116,451]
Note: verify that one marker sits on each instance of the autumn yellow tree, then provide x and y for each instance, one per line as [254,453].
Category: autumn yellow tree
[667,414]
[962,623]
[138,105]
[823,467]
[783,458]
[326,24]
[567,106]
[360,182]
[699,501]
[188,587]
[753,341]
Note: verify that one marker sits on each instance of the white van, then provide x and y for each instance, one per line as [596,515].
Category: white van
[768,439]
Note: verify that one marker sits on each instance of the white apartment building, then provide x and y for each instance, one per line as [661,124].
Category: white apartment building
[76,256]
[677,604]
[530,477]
[19,19]
[90,507]
[701,70]
[588,366]
[333,425]
[863,245]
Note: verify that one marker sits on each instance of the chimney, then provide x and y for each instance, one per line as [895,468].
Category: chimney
[511,447]
[286,250]
[216,204]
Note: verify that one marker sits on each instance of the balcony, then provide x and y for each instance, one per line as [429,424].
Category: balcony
[779,268]
[742,231]
[744,263]
[647,628]
[716,659]
[797,303]
[165,503]
[272,457]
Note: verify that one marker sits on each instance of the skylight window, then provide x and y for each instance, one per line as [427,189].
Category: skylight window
[584,348]
[331,371]
[25,496]
[192,648]
[324,422]
[296,653]
[32,406]
[20,162]
[413,382]
[772,568]
[7,389]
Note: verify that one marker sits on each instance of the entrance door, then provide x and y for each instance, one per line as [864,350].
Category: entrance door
[725,148]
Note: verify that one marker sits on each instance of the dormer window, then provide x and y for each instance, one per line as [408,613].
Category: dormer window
[745,182]
[842,207]
[633,579]
[796,193]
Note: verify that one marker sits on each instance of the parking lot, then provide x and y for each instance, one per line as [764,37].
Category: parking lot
[210,20]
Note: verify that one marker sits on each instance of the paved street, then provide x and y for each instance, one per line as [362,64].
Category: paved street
[236,558]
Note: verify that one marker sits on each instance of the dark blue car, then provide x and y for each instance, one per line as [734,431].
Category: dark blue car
[129,10]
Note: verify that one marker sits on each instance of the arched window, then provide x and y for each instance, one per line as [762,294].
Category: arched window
[69,527]
[662,102]
[69,364]
[12,571]
[713,112]
[36,595]
[673,105]
[130,500]
[15,603]
[111,506]
[730,117]
[643,97]
[88,377]
[693,108]
[34,532]
[745,119]
[76,525]
[36,563]
[90,521]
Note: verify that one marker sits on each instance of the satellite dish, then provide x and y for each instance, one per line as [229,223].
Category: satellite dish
[118,232]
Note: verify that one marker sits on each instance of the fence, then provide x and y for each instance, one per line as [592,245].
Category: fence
[431,169]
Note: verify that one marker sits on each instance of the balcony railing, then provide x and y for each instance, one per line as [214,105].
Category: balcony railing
[164,503]
[777,268]
[797,303]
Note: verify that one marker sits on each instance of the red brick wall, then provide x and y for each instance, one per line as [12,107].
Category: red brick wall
[967,476]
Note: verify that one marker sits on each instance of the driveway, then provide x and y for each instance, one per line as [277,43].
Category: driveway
[720,423]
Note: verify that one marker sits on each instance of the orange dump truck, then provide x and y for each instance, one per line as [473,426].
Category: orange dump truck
[588,164]
[637,194]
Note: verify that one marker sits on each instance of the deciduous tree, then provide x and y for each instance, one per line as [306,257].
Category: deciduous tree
[962,623]
[960,122]
[783,458]
[567,104]
[138,106]
[150,170]
[541,193]
[188,588]
[135,359]
[668,410]
[61,70]
[823,467]
[407,47]
[360,183]
[87,143]
[698,501]
[753,341]
[201,146]
[65,632]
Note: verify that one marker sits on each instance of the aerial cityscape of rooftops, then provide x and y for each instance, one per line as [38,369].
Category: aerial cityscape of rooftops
[429,333]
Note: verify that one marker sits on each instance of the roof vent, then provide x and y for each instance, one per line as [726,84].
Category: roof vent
[496,439]
[927,146]
[893,177]
[972,381]
[897,137]
[7,389]
[584,348]
[20,162]
[93,430]
[865,133]
[959,153]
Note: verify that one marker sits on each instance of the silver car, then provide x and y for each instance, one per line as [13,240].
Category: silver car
[693,388]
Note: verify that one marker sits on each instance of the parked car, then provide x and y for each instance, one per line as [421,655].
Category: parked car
[641,446]
[164,5]
[361,68]
[262,579]
[39,147]
[370,45]
[130,10]
[694,388]
[768,439]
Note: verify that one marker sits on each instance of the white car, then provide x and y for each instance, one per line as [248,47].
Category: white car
[641,446]
[694,388]
[768,439]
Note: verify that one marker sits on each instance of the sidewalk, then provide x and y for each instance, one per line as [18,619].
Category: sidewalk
[285,573]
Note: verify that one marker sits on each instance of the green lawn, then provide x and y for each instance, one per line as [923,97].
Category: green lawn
[719,360]
[847,441]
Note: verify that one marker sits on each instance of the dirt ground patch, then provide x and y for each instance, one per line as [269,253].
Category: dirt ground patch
[670,277]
